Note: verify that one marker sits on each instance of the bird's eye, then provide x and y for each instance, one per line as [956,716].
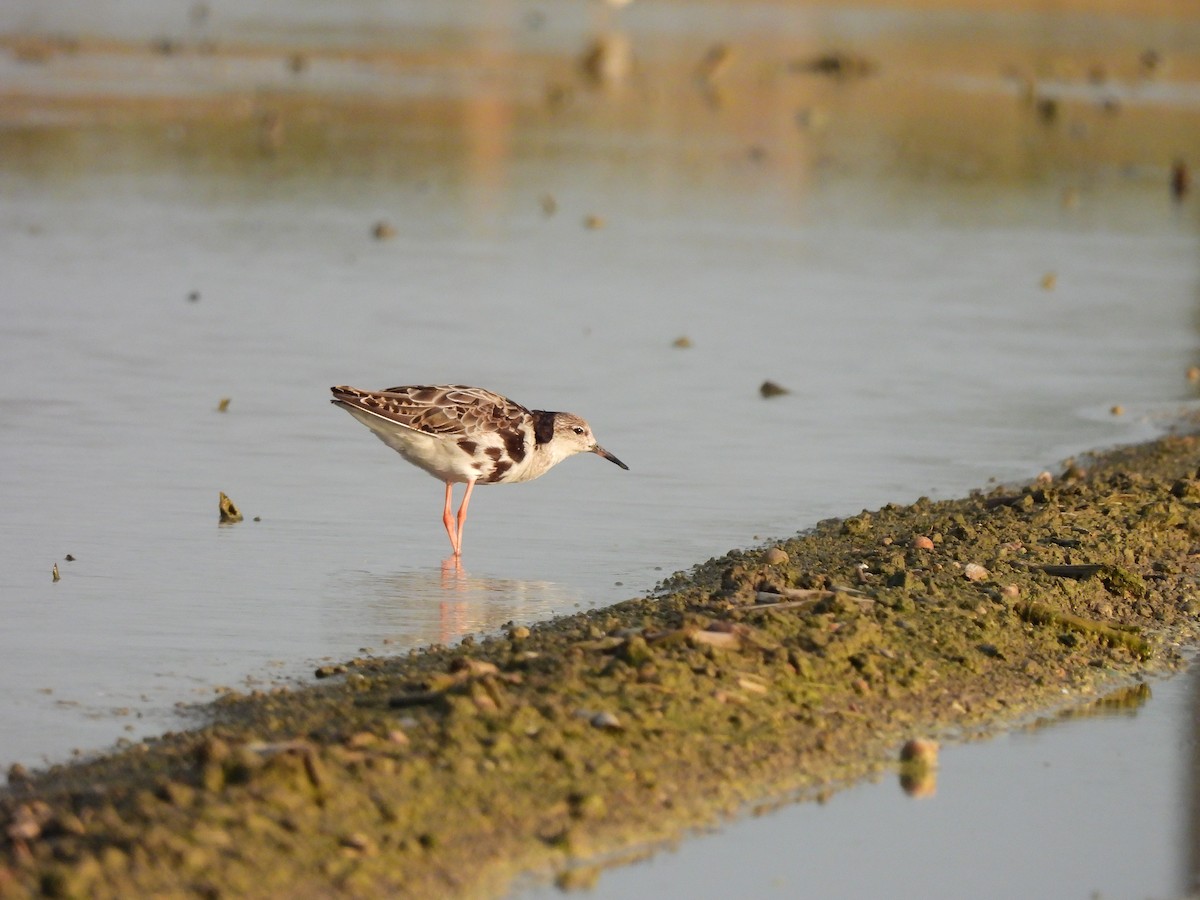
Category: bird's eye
[578,430]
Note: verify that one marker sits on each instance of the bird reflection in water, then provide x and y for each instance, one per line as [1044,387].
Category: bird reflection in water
[440,606]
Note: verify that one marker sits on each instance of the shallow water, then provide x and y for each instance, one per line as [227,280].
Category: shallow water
[1078,808]
[952,288]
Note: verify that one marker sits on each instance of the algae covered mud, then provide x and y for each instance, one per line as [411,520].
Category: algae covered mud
[547,750]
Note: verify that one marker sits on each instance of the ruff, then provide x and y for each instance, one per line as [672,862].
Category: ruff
[464,435]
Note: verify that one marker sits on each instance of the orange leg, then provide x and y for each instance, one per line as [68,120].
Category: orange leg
[449,520]
[462,516]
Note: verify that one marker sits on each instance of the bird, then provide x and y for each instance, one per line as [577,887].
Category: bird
[467,435]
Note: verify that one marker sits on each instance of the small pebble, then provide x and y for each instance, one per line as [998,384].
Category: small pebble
[606,720]
[17,773]
[1193,373]
[356,841]
[361,739]
[921,542]
[775,557]
[921,752]
[1010,591]
[1044,477]
[975,572]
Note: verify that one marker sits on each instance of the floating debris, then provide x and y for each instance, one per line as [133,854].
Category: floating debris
[1181,180]
[558,96]
[715,62]
[297,63]
[193,296]
[811,118]
[836,64]
[229,512]
[270,133]
[593,222]
[1193,373]
[383,230]
[69,558]
[1049,281]
[683,342]
[771,389]
[608,59]
[549,204]
[1117,410]
[223,404]
[1047,109]
[54,576]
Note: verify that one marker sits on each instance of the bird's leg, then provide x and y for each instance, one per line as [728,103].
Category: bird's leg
[448,519]
[462,517]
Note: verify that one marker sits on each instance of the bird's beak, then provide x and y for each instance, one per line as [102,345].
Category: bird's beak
[600,451]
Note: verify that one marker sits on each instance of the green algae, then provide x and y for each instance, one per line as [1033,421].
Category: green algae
[554,749]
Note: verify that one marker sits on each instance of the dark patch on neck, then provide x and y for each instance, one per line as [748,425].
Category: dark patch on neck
[543,425]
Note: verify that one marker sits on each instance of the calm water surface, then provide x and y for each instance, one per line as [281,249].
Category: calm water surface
[953,292]
[1101,807]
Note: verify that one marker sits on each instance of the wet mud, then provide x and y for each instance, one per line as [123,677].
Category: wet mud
[783,671]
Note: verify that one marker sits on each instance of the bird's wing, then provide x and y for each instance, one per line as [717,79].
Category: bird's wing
[437,409]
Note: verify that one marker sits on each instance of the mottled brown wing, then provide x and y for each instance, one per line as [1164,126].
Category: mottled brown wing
[442,409]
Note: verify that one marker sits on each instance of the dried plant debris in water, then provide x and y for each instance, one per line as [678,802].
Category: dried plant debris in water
[229,512]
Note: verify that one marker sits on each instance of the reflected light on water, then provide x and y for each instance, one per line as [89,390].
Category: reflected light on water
[439,606]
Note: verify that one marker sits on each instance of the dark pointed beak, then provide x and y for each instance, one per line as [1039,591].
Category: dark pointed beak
[600,451]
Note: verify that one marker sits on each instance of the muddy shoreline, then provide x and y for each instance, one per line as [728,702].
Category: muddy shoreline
[544,750]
